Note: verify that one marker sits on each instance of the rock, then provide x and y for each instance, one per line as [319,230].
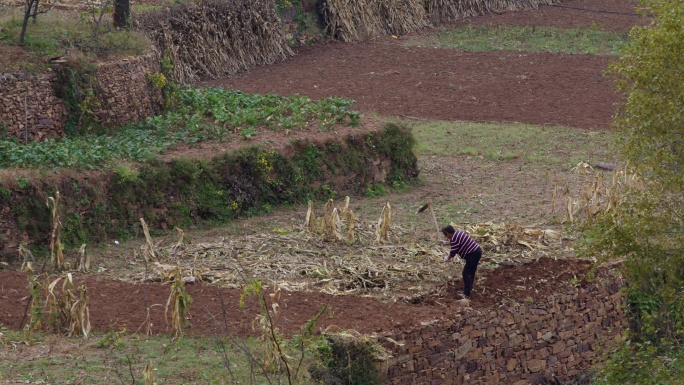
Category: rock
[606,166]
[189,279]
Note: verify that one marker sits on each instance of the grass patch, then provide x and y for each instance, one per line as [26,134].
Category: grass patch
[194,359]
[529,39]
[210,114]
[56,32]
[553,146]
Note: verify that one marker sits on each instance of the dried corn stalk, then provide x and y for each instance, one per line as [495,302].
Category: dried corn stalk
[80,314]
[179,302]
[382,230]
[149,249]
[351,225]
[311,223]
[148,373]
[56,248]
[595,196]
[27,259]
[83,259]
[66,311]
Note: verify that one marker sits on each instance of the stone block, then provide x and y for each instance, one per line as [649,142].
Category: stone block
[536,365]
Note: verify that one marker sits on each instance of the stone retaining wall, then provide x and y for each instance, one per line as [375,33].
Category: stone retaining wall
[31,111]
[125,94]
[520,344]
[29,108]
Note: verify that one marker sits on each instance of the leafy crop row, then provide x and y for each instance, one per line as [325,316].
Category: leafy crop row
[201,114]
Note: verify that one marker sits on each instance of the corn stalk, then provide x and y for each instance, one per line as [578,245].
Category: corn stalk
[596,194]
[56,248]
[148,374]
[179,302]
[66,312]
[83,259]
[383,229]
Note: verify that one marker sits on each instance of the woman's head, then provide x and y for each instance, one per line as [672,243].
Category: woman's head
[448,230]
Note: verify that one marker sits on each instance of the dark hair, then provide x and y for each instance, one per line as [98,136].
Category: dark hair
[448,229]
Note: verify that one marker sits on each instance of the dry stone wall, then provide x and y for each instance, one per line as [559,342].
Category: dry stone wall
[29,108]
[31,111]
[520,344]
[125,95]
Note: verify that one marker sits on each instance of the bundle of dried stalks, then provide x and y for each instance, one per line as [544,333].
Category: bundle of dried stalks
[331,225]
[446,10]
[210,39]
[83,259]
[358,20]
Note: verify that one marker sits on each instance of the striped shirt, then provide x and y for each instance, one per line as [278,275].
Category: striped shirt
[462,244]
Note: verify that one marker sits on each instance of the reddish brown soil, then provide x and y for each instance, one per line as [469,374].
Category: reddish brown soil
[116,304]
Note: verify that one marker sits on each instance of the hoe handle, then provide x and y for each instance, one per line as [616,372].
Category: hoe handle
[434,218]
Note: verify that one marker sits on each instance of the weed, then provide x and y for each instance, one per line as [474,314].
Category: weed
[22,182]
[112,339]
[375,190]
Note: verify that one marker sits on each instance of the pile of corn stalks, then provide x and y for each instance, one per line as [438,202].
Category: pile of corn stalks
[210,39]
[340,257]
[357,20]
[447,10]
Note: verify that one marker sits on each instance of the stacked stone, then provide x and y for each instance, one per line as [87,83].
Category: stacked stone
[521,344]
[29,109]
[124,94]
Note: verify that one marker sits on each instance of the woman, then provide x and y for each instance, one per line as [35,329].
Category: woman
[463,245]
